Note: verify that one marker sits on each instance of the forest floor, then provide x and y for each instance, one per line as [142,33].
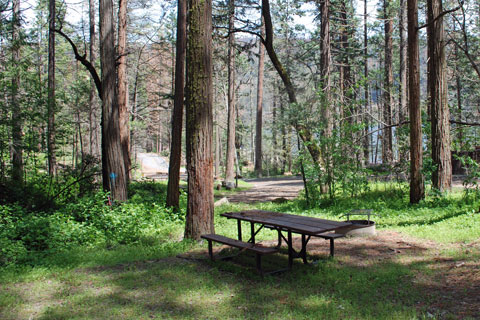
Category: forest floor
[268,189]
[280,189]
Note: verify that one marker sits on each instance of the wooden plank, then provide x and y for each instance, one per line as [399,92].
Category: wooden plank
[297,218]
[239,244]
[304,224]
[318,223]
[274,221]
[227,241]
[330,235]
[296,227]
[263,250]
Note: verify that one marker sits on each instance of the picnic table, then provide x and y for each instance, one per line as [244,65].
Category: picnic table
[290,224]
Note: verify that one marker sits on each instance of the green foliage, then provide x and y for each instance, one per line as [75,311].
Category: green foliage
[89,221]
[342,172]
[428,168]
[470,183]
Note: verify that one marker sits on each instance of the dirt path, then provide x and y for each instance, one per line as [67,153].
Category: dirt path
[269,189]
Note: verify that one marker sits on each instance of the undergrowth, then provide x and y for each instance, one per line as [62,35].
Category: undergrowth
[27,234]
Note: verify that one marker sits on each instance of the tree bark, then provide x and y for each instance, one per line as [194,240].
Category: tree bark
[218,142]
[258,133]
[387,145]
[439,112]
[417,187]
[347,77]
[276,160]
[173,191]
[366,142]
[402,105]
[325,66]
[403,84]
[458,83]
[113,161]
[122,83]
[51,105]
[199,219]
[17,123]
[93,102]
[230,156]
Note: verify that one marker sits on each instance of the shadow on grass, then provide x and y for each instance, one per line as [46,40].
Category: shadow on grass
[429,221]
[183,288]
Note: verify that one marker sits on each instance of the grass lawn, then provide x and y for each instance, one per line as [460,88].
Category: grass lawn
[423,264]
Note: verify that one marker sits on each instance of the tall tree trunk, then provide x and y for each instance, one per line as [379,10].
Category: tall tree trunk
[92,100]
[439,112]
[218,142]
[283,132]
[276,161]
[112,151]
[17,121]
[347,78]
[325,87]
[402,106]
[230,156]
[417,187]
[177,116]
[258,134]
[200,208]
[325,66]
[135,104]
[403,87]
[52,161]
[459,97]
[122,83]
[366,142]
[387,145]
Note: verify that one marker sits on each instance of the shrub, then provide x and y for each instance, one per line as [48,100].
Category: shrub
[88,221]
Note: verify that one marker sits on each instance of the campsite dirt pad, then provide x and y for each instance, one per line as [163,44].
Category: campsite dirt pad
[283,188]
[269,189]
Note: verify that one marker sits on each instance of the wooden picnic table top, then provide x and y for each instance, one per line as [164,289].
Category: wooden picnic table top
[295,223]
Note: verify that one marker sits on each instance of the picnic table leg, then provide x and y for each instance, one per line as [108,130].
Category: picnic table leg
[279,244]
[239,227]
[290,250]
[252,229]
[210,250]
[304,249]
[332,247]
[258,259]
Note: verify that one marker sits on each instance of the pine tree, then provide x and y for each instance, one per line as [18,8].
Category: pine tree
[199,122]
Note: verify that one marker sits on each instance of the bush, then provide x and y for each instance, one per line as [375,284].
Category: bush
[89,221]
[12,248]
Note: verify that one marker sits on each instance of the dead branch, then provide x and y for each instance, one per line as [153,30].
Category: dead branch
[83,60]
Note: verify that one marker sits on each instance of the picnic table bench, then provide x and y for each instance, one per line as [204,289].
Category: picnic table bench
[307,227]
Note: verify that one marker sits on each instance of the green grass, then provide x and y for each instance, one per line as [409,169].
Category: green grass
[146,280]
[166,289]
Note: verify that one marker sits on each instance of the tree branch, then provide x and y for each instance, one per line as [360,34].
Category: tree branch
[438,17]
[304,132]
[85,62]
[472,124]
[469,57]
[256,34]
